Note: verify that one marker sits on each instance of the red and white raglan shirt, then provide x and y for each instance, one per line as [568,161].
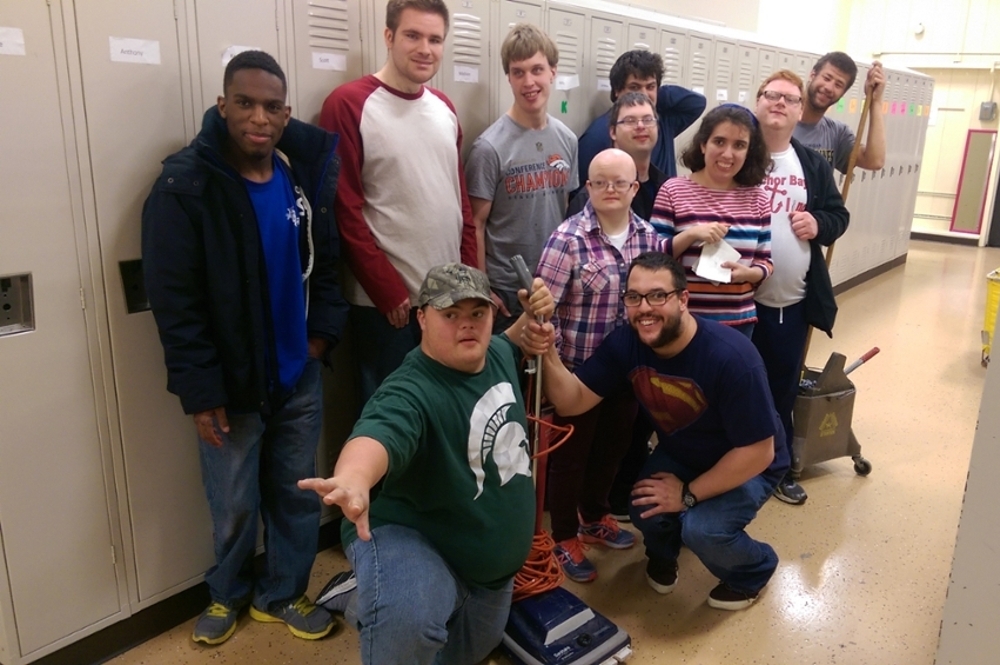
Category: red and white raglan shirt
[401,202]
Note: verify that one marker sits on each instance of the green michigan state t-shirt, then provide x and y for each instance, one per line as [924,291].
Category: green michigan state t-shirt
[459,466]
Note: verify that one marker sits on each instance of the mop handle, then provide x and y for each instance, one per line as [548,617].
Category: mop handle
[534,367]
[862,360]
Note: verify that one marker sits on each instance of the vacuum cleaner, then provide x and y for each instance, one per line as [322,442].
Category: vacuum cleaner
[554,627]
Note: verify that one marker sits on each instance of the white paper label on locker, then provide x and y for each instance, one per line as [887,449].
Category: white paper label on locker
[699,89]
[139,51]
[604,84]
[335,62]
[11,41]
[567,81]
[722,95]
[742,96]
[234,51]
[466,74]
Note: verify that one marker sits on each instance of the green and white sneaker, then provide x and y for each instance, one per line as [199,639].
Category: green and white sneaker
[215,625]
[302,618]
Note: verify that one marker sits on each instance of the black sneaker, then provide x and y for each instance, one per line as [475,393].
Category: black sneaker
[661,575]
[790,491]
[724,598]
[338,591]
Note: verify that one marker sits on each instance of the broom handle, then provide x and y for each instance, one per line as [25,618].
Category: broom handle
[851,163]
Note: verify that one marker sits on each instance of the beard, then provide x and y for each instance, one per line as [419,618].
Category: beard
[669,332]
[814,100]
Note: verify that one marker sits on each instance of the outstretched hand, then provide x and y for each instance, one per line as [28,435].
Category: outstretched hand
[353,501]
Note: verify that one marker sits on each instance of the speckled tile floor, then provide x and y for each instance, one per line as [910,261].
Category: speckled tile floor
[865,562]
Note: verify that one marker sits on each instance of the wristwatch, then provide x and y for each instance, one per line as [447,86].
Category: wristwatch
[687,498]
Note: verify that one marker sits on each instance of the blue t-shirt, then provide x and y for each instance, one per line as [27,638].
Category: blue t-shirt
[278,219]
[711,397]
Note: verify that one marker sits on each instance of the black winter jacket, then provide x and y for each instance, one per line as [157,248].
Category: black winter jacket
[204,267]
[832,218]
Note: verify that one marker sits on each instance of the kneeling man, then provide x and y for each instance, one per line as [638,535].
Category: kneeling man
[721,449]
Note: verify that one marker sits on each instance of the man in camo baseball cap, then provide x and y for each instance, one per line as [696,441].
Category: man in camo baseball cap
[451,283]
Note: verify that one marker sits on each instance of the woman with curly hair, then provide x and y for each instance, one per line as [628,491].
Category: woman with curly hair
[721,198]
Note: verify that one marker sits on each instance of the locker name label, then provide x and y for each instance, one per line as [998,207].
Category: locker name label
[11,41]
[567,81]
[466,74]
[335,62]
[137,51]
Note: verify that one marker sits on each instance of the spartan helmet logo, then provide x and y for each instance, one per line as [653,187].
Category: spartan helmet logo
[491,431]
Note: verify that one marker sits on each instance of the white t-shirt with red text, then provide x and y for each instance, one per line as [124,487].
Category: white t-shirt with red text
[786,189]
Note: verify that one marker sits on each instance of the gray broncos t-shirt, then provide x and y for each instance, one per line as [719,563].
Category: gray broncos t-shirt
[527,174]
[830,138]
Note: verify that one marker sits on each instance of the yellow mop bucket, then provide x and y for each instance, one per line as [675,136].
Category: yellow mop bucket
[992,303]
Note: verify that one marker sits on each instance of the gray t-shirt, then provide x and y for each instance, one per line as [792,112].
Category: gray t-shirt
[527,174]
[830,138]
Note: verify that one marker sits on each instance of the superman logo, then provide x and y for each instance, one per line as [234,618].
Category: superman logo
[674,402]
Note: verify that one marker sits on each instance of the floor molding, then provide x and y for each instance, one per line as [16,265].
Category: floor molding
[938,237]
[869,274]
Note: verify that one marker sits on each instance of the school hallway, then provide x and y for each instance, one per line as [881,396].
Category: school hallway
[865,562]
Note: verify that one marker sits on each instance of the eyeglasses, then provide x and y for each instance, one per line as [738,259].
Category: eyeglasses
[654,298]
[773,96]
[632,121]
[617,185]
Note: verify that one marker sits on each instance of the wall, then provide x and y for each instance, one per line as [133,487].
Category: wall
[955,110]
[741,15]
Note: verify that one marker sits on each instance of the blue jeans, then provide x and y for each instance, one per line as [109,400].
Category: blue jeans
[379,346]
[780,338]
[255,471]
[713,529]
[411,608]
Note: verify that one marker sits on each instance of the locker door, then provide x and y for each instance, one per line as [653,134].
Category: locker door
[699,62]
[644,37]
[673,49]
[606,38]
[803,65]
[786,60]
[467,65]
[512,13]
[767,64]
[569,98]
[221,35]
[172,538]
[56,558]
[326,52]
[724,72]
[746,71]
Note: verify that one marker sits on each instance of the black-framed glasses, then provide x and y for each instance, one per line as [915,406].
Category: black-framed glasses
[774,95]
[617,185]
[632,121]
[654,298]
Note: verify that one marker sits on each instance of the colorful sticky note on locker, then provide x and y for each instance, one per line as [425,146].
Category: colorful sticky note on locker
[854,105]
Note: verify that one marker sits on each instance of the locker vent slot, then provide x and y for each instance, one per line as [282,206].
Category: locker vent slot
[744,82]
[765,66]
[699,63]
[607,53]
[329,25]
[673,72]
[569,53]
[724,67]
[468,44]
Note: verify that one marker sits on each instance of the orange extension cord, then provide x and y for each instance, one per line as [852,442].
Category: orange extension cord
[541,572]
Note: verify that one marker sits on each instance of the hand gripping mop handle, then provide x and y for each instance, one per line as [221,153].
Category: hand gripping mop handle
[524,276]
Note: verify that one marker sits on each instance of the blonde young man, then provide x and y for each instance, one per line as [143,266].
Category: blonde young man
[521,169]
[401,204]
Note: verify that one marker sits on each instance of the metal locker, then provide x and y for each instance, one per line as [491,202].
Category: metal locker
[467,65]
[219,38]
[767,64]
[606,37]
[59,522]
[569,98]
[641,36]
[673,47]
[787,60]
[699,61]
[746,71]
[803,65]
[325,52]
[512,13]
[171,539]
[724,73]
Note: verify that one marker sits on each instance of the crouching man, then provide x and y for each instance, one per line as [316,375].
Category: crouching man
[721,449]
[436,550]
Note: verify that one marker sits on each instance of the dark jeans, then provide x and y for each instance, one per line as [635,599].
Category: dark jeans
[581,471]
[255,471]
[714,530]
[379,346]
[780,337]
